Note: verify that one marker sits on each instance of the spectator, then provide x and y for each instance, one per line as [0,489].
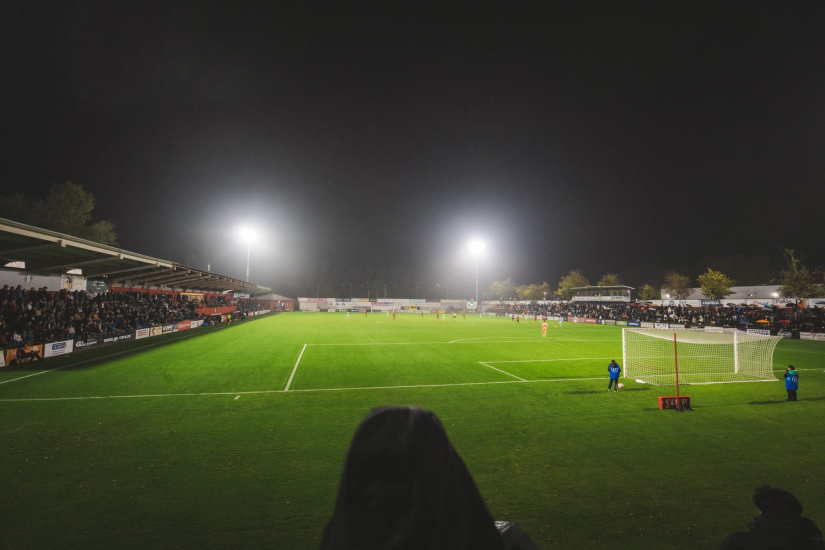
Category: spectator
[779,525]
[405,487]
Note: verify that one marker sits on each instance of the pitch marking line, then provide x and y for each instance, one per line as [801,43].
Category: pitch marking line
[103,357]
[294,391]
[534,340]
[296,368]
[545,360]
[499,370]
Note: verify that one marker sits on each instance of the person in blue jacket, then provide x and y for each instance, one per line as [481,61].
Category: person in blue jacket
[614,369]
[791,383]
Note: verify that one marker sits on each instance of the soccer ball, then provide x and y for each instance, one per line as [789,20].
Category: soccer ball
[621,385]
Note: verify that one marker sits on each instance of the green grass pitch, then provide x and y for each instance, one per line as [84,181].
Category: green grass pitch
[190,441]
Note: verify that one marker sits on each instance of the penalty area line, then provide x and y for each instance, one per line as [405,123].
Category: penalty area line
[309,390]
[289,382]
[501,371]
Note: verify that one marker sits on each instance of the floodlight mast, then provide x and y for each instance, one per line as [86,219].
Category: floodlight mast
[247,234]
[477,247]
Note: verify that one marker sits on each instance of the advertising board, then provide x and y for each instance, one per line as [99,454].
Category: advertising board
[806,336]
[645,324]
[26,354]
[58,348]
[155,331]
[184,325]
[142,333]
[84,344]
[661,325]
[714,329]
[171,328]
[759,331]
[634,324]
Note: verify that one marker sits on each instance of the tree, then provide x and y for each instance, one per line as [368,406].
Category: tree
[570,281]
[501,290]
[797,280]
[715,284]
[66,209]
[649,292]
[678,286]
[533,291]
[609,279]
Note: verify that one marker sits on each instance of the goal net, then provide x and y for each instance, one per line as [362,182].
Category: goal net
[703,357]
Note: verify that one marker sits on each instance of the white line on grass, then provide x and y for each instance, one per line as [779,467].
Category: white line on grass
[296,368]
[295,391]
[545,360]
[499,370]
[535,340]
[105,356]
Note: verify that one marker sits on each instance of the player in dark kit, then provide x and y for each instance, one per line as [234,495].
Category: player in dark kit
[614,369]
[791,383]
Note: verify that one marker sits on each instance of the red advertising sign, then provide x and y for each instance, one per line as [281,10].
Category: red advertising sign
[589,320]
[184,325]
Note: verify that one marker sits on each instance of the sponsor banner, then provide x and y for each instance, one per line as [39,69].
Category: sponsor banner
[714,329]
[26,354]
[223,320]
[401,301]
[417,301]
[354,310]
[155,331]
[610,322]
[363,299]
[2,359]
[58,348]
[661,325]
[820,337]
[184,325]
[645,324]
[107,341]
[589,320]
[784,334]
[79,344]
[192,296]
[199,322]
[709,302]
[130,336]
[142,333]
[729,330]
[171,328]
[634,324]
[806,335]
[697,329]
[621,323]
[72,282]
[759,331]
[676,326]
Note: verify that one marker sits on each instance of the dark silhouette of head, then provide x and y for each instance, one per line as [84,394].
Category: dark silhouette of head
[772,500]
[405,487]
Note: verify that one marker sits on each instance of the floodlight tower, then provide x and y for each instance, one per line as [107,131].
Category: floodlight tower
[247,234]
[476,247]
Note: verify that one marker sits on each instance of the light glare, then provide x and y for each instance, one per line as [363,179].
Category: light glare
[476,246]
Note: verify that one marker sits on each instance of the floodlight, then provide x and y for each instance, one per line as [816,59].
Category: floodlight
[476,246]
[247,233]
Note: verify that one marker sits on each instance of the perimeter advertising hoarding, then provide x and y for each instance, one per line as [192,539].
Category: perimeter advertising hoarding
[802,336]
[589,320]
[184,325]
[26,354]
[142,333]
[661,325]
[714,329]
[58,348]
[609,322]
[759,331]
[2,359]
[634,324]
[107,341]
[784,334]
[155,331]
[171,328]
[88,344]
[198,323]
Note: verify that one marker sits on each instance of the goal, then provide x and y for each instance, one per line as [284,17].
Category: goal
[653,356]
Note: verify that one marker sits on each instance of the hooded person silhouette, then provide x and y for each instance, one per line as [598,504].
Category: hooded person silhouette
[405,487]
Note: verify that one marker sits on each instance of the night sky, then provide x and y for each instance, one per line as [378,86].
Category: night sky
[370,143]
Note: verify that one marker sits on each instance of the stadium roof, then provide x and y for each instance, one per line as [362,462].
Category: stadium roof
[44,252]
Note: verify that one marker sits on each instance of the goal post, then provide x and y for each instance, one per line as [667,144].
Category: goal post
[704,357]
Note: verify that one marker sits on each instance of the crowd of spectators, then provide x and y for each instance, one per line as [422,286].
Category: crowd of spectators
[38,315]
[774,318]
